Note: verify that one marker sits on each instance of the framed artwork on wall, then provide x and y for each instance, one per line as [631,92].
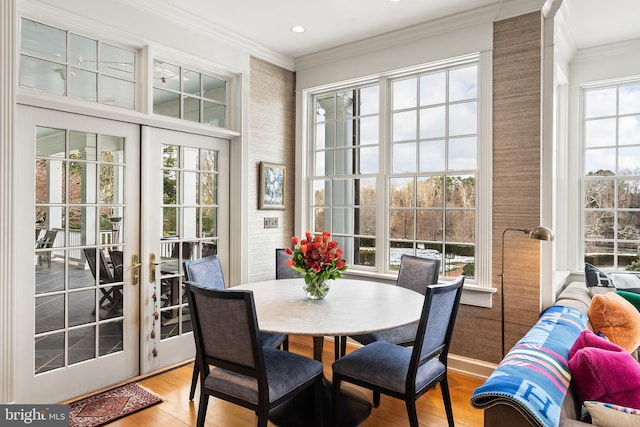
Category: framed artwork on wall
[272,184]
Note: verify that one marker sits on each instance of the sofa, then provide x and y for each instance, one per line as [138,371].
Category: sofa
[503,411]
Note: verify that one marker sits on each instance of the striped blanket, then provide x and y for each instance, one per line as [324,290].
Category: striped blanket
[533,378]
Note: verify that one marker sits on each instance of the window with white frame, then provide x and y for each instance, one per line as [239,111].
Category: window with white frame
[346,135]
[189,95]
[611,177]
[61,62]
[394,167]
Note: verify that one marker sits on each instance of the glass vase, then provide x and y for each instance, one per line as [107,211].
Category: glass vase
[315,287]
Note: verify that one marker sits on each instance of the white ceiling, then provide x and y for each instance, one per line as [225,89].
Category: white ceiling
[596,22]
[332,23]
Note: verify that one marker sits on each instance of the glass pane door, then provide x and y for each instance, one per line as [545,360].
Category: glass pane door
[78,307]
[187,218]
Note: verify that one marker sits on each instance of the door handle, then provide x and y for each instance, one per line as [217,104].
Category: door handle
[152,266]
[135,269]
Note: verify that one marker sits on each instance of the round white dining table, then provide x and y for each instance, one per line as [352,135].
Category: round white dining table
[351,307]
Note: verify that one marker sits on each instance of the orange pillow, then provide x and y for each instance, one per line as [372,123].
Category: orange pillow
[617,319]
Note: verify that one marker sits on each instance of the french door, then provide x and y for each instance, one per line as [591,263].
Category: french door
[100,293]
[77,290]
[185,216]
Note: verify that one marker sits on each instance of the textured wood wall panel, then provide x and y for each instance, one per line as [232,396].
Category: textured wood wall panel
[272,139]
[517,85]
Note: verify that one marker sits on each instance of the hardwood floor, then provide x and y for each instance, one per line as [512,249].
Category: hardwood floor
[176,410]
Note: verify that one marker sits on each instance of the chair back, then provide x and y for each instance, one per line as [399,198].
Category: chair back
[187,247]
[105,274]
[205,271]
[117,260]
[416,273]
[225,329]
[209,249]
[283,271]
[48,239]
[435,327]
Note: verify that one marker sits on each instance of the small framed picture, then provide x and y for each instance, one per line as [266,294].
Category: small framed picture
[272,184]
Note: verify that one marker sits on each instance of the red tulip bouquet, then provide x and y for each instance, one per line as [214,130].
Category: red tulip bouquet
[319,259]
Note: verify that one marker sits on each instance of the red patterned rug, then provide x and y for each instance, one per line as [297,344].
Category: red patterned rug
[108,406]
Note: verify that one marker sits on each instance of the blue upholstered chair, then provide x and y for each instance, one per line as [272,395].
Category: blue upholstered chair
[207,272]
[225,329]
[402,372]
[416,273]
[283,271]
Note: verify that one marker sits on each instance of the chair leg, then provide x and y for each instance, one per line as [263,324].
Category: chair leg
[106,295]
[263,418]
[202,409]
[411,411]
[340,345]
[336,401]
[444,385]
[194,380]
[318,390]
[376,399]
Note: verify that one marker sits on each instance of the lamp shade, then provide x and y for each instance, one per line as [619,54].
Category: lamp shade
[540,233]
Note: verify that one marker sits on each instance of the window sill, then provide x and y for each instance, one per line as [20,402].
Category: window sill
[477,295]
[471,295]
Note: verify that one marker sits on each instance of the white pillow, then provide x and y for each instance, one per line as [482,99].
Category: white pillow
[629,282]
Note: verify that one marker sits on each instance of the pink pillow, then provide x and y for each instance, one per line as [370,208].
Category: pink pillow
[604,372]
[589,339]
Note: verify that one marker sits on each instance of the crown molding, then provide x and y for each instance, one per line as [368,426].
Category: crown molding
[496,11]
[629,47]
[424,30]
[482,15]
[179,16]
[551,7]
[512,8]
[61,18]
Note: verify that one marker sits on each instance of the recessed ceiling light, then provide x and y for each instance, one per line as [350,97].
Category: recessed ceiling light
[394,1]
[298,29]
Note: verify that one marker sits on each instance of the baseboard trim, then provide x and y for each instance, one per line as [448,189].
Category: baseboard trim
[470,367]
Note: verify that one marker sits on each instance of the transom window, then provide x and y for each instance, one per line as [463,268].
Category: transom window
[189,95]
[611,180]
[68,64]
[408,143]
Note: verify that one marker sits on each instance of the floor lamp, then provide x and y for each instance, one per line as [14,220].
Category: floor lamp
[538,233]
